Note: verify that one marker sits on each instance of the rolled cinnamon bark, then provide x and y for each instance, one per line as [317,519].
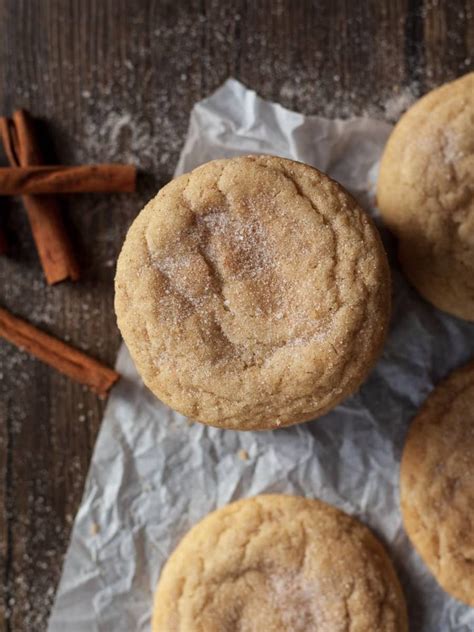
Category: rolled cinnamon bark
[106,178]
[62,357]
[52,242]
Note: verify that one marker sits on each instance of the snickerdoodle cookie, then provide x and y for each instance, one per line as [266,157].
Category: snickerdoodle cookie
[437,483]
[426,195]
[279,564]
[253,293]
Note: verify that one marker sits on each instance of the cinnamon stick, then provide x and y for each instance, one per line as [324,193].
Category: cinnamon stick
[61,179]
[62,357]
[53,245]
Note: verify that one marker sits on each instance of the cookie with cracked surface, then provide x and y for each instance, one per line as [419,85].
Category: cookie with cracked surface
[425,193]
[253,293]
[280,564]
[437,483]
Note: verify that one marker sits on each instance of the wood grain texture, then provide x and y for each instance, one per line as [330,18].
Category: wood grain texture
[114,81]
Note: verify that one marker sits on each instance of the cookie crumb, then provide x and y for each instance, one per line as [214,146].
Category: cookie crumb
[94,528]
[243,455]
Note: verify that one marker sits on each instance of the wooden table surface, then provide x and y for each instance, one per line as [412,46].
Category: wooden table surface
[115,80]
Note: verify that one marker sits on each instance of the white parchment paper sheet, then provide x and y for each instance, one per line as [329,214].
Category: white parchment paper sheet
[153,475]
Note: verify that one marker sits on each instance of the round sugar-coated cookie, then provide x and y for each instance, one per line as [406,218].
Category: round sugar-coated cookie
[426,195]
[253,293]
[279,564]
[437,484]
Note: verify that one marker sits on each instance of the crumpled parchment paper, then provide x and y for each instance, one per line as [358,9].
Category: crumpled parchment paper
[153,474]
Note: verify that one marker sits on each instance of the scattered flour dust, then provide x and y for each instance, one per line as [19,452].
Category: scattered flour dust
[388,105]
[243,455]
[123,136]
[400,101]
